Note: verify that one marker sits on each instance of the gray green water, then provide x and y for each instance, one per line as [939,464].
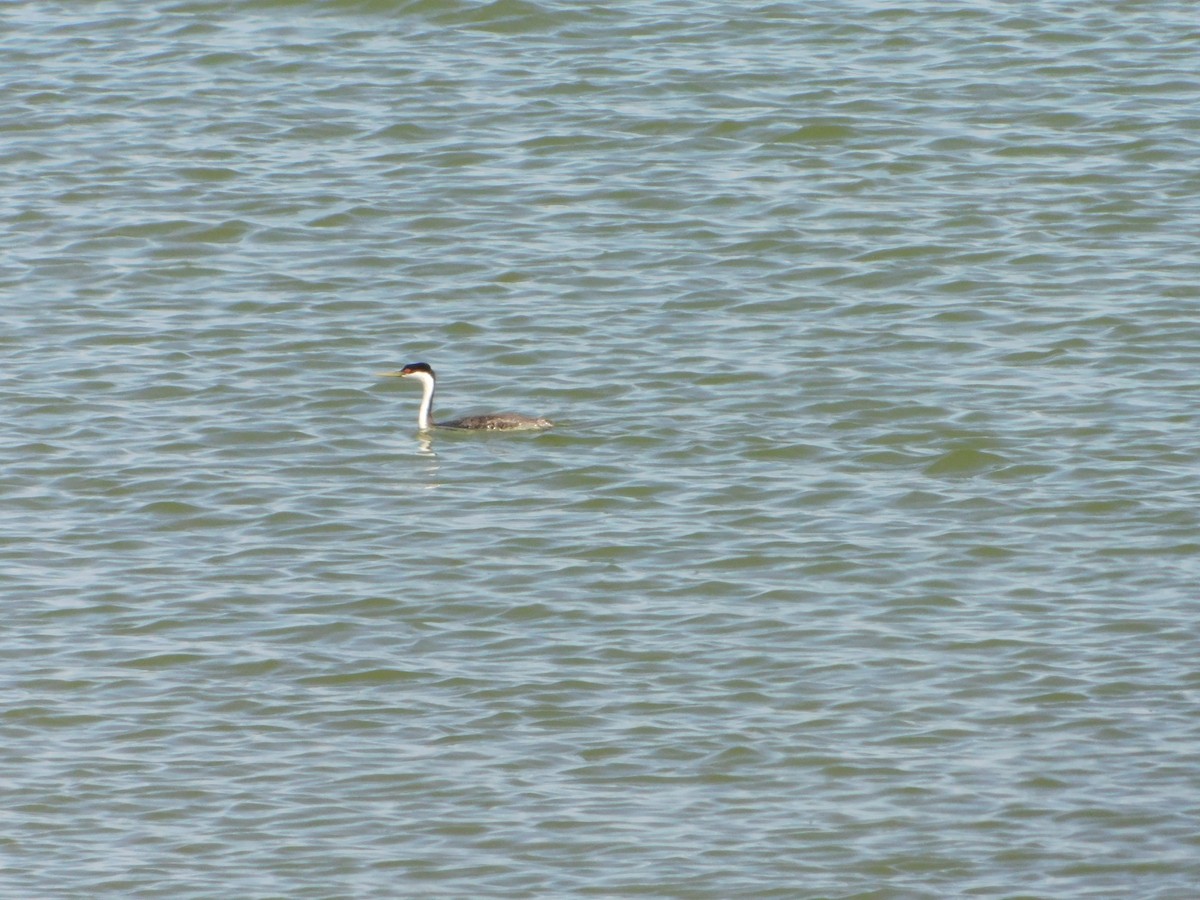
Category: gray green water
[865,558]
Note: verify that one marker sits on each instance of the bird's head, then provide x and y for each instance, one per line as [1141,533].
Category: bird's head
[410,369]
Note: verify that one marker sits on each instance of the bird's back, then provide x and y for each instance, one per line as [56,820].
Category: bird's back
[497,422]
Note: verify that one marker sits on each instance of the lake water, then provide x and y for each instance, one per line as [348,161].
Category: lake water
[864,560]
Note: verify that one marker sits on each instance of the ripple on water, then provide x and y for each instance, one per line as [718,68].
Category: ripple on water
[860,559]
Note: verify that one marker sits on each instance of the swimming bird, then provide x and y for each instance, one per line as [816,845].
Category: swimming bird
[490,422]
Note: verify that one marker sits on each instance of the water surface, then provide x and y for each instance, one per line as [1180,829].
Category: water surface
[862,561]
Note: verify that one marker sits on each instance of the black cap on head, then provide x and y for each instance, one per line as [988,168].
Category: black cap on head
[416,367]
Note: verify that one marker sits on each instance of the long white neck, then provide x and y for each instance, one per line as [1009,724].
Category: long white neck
[425,412]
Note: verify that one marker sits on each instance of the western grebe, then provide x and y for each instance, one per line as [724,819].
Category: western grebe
[490,422]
